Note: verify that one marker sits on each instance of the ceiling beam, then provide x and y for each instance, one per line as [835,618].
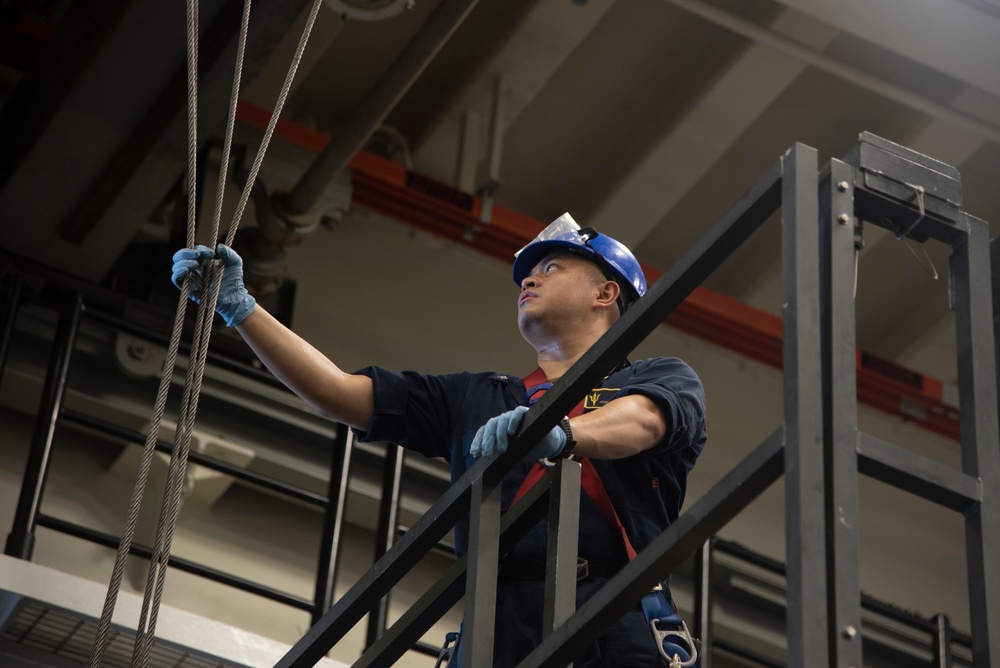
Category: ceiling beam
[888,89]
[945,35]
[709,128]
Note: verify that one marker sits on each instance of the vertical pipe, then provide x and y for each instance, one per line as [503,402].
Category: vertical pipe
[562,549]
[21,540]
[977,386]
[8,313]
[333,522]
[942,641]
[481,579]
[703,601]
[805,529]
[840,402]
[388,520]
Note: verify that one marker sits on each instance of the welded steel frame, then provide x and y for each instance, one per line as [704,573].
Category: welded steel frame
[914,196]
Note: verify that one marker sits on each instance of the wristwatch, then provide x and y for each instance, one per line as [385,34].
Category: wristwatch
[567,450]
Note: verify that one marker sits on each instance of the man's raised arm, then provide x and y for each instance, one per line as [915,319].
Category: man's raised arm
[306,371]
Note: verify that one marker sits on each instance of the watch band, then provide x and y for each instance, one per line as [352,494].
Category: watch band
[567,450]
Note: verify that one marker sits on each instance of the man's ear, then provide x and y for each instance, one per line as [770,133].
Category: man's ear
[608,294]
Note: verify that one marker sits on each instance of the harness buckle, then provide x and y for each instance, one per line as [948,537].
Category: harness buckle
[682,634]
[451,640]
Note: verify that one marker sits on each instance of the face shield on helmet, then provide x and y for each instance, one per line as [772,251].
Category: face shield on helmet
[614,259]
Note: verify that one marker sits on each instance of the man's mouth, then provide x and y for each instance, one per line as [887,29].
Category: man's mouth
[525,296]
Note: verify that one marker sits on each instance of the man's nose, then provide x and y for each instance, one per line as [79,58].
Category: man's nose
[529,282]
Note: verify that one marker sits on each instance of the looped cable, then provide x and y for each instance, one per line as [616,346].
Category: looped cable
[199,348]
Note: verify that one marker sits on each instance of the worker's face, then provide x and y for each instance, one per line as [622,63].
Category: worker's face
[562,286]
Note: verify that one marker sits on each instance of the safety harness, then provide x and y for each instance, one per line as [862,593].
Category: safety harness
[664,621]
[670,633]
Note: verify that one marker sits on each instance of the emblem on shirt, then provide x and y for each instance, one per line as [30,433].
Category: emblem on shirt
[598,397]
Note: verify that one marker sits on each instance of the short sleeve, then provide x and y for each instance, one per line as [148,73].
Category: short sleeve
[676,389]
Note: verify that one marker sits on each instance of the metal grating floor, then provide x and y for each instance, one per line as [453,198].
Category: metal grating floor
[66,634]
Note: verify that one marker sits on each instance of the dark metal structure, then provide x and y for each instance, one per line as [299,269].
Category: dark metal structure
[28,517]
[818,449]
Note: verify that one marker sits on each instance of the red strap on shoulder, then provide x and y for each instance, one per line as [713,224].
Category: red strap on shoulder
[590,482]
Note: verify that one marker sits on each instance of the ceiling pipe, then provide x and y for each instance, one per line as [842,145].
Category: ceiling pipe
[407,67]
[821,61]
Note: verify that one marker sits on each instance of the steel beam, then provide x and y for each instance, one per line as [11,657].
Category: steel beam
[805,498]
[918,475]
[977,384]
[838,263]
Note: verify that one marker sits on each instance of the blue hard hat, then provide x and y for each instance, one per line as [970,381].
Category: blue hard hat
[611,255]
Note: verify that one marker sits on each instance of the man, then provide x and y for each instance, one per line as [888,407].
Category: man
[641,430]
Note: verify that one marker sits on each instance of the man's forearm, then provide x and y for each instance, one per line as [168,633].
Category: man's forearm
[624,427]
[308,372]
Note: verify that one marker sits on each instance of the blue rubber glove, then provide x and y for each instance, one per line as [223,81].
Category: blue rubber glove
[492,438]
[234,303]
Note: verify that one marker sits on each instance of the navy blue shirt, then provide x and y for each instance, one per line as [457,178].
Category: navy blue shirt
[438,416]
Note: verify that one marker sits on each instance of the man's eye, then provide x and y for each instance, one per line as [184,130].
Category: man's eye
[550,266]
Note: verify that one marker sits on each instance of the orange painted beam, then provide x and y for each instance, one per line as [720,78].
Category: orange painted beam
[391,189]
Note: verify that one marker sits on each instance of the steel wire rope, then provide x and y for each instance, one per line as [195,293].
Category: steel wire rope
[199,347]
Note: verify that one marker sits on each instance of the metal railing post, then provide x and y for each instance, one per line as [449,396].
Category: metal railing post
[481,578]
[8,315]
[703,601]
[977,385]
[333,521]
[942,641]
[21,540]
[563,545]
[840,405]
[388,520]
[805,495]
